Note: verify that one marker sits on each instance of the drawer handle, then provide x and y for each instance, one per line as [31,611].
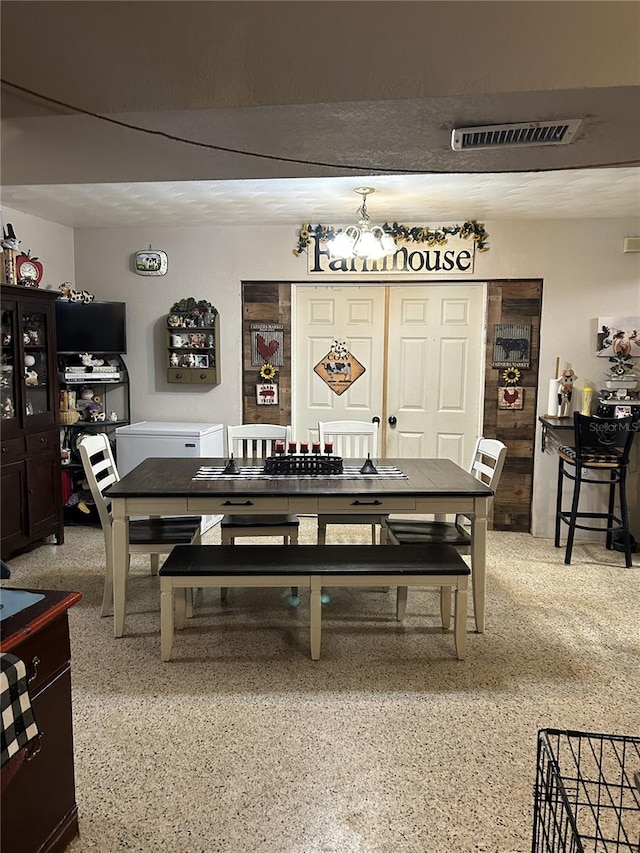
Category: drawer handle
[34,748]
[35,663]
[178,376]
[203,376]
[238,503]
[376,502]
[42,440]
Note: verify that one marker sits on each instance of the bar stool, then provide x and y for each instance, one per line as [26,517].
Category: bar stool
[601,445]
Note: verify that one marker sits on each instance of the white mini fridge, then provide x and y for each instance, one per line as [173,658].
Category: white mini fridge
[157,438]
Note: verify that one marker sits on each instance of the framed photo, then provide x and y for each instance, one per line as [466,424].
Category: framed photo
[150,262]
[202,361]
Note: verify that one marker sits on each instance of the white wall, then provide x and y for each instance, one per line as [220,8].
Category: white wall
[586,275]
[50,242]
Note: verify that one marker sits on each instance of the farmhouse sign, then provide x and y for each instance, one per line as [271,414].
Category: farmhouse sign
[454,258]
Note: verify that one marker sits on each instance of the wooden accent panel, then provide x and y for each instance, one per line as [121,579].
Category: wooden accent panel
[513,302]
[265,302]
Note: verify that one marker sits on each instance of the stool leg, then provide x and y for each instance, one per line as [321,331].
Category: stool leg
[322,532]
[610,509]
[559,501]
[624,515]
[574,512]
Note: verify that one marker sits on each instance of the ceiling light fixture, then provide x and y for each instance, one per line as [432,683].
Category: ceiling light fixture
[363,240]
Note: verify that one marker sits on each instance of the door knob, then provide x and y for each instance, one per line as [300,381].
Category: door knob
[375,420]
[393,420]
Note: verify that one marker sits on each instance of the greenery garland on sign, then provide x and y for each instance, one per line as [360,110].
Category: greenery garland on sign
[471,230]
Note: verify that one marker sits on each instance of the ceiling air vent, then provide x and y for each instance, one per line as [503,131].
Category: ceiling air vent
[513,135]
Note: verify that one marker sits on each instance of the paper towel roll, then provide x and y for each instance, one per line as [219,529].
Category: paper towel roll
[552,404]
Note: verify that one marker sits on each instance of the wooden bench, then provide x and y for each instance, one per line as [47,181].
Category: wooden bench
[312,566]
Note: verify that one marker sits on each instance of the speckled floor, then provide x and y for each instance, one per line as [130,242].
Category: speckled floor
[386,744]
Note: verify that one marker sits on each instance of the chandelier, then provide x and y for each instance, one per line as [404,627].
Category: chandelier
[363,240]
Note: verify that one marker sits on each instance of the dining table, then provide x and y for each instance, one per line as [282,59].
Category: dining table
[204,486]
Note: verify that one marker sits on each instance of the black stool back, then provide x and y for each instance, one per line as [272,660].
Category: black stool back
[601,444]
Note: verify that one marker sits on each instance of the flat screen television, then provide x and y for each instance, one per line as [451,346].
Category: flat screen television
[93,327]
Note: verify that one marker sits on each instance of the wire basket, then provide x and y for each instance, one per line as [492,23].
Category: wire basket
[587,798]
[313,463]
[69,418]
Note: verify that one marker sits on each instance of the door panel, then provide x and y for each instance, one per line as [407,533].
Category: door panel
[322,316]
[435,370]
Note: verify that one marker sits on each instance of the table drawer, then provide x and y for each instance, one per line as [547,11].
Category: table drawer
[238,504]
[366,505]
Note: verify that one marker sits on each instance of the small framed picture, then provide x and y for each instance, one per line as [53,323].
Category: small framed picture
[267,394]
[150,262]
[202,361]
[511,397]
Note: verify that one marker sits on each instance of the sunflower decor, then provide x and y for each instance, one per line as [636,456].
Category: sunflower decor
[511,376]
[268,372]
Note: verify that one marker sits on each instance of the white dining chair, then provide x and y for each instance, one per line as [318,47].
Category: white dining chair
[487,463]
[153,536]
[257,441]
[351,440]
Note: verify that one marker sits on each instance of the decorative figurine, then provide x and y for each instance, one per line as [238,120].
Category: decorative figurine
[565,389]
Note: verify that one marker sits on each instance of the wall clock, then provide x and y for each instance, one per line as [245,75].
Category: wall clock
[150,262]
[29,270]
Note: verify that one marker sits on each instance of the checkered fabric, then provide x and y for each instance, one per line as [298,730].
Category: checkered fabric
[600,457]
[256,472]
[18,723]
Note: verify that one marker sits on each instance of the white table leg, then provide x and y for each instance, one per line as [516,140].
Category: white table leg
[315,617]
[401,602]
[479,562]
[120,544]
[166,618]
[460,618]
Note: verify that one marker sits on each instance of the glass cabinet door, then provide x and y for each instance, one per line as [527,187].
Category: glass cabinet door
[8,396]
[36,367]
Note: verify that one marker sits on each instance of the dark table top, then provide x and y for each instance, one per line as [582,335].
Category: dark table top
[556,423]
[173,477]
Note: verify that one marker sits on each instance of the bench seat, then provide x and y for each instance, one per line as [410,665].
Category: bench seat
[312,566]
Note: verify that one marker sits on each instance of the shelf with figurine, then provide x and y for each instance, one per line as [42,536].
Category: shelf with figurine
[193,343]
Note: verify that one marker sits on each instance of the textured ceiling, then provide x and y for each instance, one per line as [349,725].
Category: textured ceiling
[416,199]
[275,112]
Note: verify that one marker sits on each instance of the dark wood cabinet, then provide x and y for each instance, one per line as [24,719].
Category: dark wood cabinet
[39,812]
[30,455]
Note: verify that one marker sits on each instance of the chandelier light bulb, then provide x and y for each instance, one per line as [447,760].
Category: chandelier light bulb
[365,241]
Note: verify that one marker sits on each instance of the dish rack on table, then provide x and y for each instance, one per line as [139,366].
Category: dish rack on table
[587,793]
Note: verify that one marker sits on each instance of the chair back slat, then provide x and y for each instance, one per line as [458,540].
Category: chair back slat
[604,435]
[488,462]
[255,441]
[101,472]
[351,439]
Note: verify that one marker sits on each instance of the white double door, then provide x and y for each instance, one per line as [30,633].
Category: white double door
[422,347]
